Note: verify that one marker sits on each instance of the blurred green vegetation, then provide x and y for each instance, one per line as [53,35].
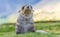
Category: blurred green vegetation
[53,29]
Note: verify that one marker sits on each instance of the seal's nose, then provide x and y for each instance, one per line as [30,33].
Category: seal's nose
[27,6]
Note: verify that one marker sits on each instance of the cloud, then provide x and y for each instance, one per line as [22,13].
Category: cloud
[12,18]
[46,3]
[47,10]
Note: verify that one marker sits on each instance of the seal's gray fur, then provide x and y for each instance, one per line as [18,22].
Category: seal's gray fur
[24,23]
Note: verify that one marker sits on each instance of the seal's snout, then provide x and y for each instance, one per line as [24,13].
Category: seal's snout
[27,6]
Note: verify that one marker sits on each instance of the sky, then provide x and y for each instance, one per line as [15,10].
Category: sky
[9,8]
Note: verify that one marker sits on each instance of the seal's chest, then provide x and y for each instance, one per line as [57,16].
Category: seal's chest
[26,21]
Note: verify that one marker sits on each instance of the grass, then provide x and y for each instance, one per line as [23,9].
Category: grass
[53,29]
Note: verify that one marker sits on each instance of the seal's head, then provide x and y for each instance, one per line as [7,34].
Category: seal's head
[26,9]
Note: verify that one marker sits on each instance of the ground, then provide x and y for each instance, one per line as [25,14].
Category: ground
[53,29]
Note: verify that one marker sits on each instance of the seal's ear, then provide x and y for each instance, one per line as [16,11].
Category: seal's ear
[32,8]
[23,7]
[19,11]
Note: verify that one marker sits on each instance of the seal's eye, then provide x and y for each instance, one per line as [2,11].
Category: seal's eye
[23,7]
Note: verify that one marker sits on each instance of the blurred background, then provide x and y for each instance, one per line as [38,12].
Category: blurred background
[46,16]
[43,10]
